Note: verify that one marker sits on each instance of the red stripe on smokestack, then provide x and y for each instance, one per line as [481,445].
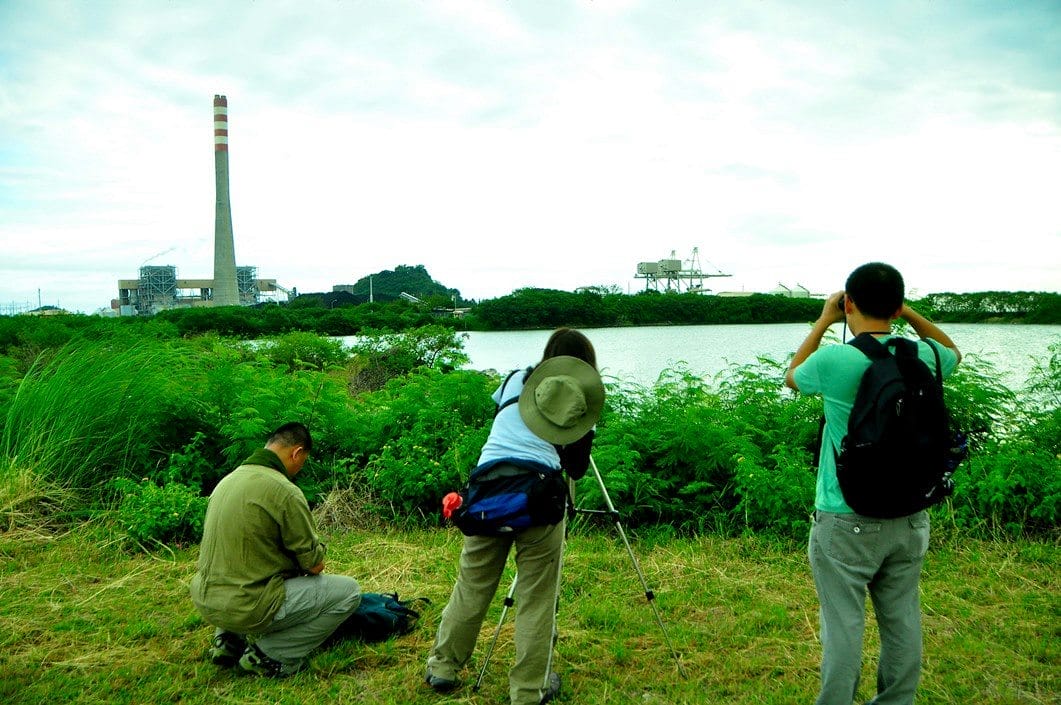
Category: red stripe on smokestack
[220,123]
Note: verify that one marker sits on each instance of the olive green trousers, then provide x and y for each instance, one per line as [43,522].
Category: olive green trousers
[539,550]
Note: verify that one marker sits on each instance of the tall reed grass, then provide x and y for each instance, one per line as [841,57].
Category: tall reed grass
[92,411]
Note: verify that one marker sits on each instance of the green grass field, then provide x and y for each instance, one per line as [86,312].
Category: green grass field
[84,620]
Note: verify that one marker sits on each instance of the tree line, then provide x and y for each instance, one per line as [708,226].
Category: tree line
[546,308]
[523,309]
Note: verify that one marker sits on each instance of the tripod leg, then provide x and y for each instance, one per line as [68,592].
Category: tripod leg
[649,595]
[497,632]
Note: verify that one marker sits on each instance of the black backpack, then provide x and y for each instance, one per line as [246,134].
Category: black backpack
[899,452]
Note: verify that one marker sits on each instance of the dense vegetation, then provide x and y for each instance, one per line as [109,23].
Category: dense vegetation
[995,306]
[547,308]
[146,425]
[347,314]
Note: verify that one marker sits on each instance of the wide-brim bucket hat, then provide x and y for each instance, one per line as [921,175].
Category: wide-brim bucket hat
[562,399]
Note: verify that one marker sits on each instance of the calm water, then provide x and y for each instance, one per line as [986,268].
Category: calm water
[640,354]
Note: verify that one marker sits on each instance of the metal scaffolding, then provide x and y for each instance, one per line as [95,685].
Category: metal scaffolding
[247,284]
[157,289]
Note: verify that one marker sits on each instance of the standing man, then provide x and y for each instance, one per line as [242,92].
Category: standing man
[260,578]
[851,554]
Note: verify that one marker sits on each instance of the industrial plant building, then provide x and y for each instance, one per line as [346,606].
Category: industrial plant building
[158,288]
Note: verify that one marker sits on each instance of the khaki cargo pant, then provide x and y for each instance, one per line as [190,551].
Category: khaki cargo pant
[314,607]
[538,554]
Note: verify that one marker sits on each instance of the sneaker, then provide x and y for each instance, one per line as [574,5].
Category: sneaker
[439,684]
[254,660]
[226,649]
[552,690]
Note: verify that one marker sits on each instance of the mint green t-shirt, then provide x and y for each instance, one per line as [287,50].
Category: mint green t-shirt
[834,371]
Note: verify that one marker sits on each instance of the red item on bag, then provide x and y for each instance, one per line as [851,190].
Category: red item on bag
[450,504]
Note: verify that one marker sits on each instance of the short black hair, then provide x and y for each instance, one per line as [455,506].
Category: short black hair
[877,289]
[292,434]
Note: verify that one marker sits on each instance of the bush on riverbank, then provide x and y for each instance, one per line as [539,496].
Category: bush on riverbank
[163,420]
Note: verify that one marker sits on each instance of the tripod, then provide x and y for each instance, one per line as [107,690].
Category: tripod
[649,594]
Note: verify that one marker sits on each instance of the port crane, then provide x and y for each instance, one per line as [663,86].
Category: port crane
[676,275]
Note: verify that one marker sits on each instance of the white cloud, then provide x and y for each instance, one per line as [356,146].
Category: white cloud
[507,145]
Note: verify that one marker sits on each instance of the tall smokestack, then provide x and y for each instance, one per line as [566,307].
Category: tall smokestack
[226,291]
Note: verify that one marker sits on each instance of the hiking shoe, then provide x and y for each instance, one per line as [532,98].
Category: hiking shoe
[552,690]
[439,684]
[226,649]
[254,660]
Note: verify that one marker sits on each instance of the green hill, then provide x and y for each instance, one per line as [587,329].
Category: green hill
[413,280]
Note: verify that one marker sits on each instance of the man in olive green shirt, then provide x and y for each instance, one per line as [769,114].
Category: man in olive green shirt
[260,578]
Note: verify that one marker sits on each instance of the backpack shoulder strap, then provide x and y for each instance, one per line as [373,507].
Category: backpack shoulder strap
[903,347]
[935,353]
[869,346]
[507,402]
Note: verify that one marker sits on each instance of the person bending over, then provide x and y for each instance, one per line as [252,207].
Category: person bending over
[559,401]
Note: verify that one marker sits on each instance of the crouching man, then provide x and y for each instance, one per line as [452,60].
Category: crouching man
[260,580]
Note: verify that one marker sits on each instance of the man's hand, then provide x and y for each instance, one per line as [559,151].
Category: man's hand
[927,329]
[831,313]
[317,569]
[833,308]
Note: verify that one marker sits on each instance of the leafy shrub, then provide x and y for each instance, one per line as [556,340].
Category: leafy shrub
[730,459]
[264,397]
[776,497]
[979,403]
[160,514]
[1014,489]
[1011,483]
[1042,395]
[193,465]
[304,351]
[418,436]
[382,357]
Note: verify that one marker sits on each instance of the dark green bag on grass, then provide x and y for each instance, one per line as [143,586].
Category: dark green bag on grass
[379,617]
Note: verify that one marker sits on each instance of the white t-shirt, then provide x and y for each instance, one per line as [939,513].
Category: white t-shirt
[509,436]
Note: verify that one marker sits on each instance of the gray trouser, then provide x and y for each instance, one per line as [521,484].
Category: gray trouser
[849,555]
[482,561]
[314,607]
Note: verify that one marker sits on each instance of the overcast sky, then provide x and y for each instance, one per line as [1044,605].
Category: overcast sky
[514,143]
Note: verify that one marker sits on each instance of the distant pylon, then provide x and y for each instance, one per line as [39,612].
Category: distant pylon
[226,290]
